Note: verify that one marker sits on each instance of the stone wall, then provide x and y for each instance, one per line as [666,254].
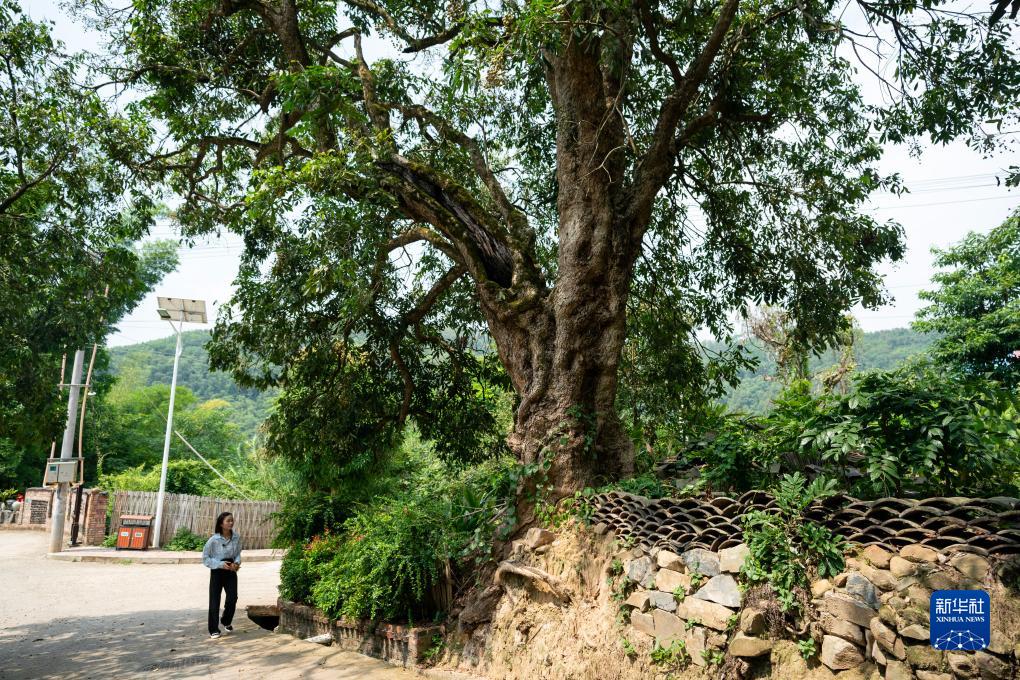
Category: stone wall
[398,644]
[872,619]
[674,573]
[706,611]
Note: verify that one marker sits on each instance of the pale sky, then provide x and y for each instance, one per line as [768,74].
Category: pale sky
[953,191]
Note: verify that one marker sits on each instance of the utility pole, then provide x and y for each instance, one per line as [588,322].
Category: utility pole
[60,497]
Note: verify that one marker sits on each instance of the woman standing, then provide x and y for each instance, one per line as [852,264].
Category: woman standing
[222,554]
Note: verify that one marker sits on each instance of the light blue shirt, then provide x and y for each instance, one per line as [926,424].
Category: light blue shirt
[219,550]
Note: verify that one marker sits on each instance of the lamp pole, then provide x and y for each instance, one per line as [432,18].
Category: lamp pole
[166,440]
[180,310]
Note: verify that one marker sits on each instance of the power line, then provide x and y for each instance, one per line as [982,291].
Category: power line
[152,407]
[928,205]
[145,321]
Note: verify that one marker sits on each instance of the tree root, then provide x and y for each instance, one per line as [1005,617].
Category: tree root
[541,581]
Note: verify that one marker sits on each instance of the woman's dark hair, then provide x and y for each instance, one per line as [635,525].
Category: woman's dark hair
[219,521]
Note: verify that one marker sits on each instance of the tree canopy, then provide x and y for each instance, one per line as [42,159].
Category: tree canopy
[409,178]
[69,269]
[976,306]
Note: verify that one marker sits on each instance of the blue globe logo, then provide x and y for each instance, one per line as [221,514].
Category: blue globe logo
[960,639]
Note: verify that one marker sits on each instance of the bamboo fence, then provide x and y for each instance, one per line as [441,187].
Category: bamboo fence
[252,519]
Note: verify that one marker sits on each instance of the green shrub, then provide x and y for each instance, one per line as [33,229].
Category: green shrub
[110,541]
[296,577]
[713,657]
[312,513]
[921,429]
[671,658]
[924,429]
[785,547]
[435,651]
[387,563]
[185,539]
[7,494]
[316,512]
[132,479]
[427,518]
[646,484]
[807,647]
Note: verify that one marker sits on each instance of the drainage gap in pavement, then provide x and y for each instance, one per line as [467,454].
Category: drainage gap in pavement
[264,615]
[269,622]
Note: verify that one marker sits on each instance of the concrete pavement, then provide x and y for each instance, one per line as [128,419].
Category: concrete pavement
[110,620]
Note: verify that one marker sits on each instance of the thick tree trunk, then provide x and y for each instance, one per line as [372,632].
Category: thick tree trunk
[563,347]
[584,450]
[563,356]
[565,371]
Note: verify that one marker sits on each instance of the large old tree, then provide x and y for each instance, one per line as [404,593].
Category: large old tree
[566,179]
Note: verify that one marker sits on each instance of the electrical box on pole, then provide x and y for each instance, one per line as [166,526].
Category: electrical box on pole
[59,471]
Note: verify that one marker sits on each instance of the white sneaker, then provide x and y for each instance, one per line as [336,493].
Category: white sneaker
[229,629]
[214,636]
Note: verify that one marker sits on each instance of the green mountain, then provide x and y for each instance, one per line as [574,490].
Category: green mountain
[152,363]
[877,350]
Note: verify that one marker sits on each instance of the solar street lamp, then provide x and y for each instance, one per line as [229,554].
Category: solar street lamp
[173,310]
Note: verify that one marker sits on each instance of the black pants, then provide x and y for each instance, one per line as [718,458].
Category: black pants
[221,579]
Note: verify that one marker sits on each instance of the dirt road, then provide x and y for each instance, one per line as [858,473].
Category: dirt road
[86,620]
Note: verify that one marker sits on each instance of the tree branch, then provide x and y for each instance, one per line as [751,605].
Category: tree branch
[469,144]
[418,233]
[413,317]
[25,188]
[648,21]
[405,375]
[657,164]
[379,115]
[413,44]
[433,40]
[425,305]
[468,225]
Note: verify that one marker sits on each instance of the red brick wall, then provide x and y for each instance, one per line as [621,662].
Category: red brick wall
[41,496]
[92,523]
[93,529]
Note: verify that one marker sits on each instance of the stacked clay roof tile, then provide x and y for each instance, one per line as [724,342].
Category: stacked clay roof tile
[986,526]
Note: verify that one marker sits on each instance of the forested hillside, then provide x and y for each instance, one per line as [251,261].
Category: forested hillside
[878,350]
[151,363]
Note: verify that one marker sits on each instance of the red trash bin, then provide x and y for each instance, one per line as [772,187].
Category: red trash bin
[134,532]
